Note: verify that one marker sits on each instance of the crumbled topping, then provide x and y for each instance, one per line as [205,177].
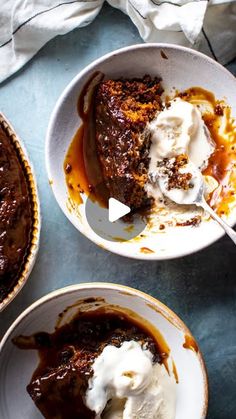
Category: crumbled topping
[170,167]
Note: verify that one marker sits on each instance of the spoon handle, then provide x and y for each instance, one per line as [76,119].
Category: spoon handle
[231,233]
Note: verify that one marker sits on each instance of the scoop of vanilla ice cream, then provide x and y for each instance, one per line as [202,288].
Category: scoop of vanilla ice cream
[159,401]
[179,129]
[133,385]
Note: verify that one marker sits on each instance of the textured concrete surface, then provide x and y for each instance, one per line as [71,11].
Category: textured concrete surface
[200,288]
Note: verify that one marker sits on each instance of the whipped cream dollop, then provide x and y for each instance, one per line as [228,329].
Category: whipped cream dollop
[178,129]
[126,384]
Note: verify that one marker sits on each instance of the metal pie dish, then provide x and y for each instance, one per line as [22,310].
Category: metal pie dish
[30,178]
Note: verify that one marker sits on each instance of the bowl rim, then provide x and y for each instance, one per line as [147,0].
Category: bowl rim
[30,177]
[120,251]
[163,310]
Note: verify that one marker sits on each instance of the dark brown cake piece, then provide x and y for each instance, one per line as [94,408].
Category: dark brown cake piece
[15,215]
[122,110]
[58,394]
[170,167]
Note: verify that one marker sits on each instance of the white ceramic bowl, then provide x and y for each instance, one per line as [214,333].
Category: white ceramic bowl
[36,221]
[184,68]
[18,365]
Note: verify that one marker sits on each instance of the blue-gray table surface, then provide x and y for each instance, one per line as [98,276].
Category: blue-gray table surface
[200,288]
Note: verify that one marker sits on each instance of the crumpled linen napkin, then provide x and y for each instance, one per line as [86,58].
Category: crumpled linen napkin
[26,25]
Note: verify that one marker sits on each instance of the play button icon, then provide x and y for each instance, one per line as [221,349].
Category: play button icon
[109,223]
[116,210]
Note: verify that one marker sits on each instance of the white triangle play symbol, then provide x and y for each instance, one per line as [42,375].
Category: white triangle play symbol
[116,210]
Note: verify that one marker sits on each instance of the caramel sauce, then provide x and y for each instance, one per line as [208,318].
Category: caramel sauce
[190,343]
[81,166]
[79,306]
[163,55]
[222,163]
[74,167]
[146,250]
[129,229]
[96,308]
[175,372]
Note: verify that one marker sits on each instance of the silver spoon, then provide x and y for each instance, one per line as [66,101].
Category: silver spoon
[195,196]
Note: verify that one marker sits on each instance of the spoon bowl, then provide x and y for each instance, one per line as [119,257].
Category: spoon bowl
[181,196]
[194,195]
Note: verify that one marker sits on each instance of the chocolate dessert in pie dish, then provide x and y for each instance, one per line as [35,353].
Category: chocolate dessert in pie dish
[19,214]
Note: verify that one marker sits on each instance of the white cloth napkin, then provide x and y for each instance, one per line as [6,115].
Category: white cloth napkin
[26,25]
